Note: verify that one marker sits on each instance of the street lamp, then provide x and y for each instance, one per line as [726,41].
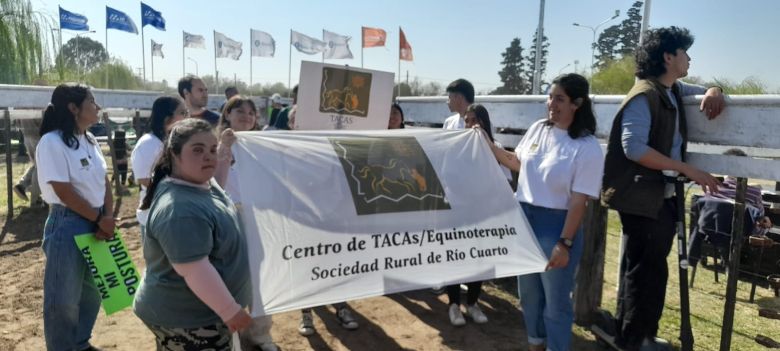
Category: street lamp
[196,65]
[594,29]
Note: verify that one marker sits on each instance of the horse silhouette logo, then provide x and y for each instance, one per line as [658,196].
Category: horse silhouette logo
[389,174]
[345,92]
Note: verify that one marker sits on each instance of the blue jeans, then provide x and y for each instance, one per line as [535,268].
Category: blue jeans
[70,299]
[546,297]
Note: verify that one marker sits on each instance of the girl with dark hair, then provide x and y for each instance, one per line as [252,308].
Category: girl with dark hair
[396,117]
[166,111]
[72,177]
[197,282]
[562,165]
[240,115]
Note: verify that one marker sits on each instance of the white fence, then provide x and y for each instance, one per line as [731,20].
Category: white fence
[750,122]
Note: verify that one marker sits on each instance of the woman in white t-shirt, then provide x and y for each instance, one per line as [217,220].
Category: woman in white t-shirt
[72,177]
[166,111]
[560,165]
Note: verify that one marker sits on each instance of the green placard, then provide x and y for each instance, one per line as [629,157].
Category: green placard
[112,270]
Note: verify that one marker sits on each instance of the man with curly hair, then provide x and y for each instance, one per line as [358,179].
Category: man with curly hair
[648,141]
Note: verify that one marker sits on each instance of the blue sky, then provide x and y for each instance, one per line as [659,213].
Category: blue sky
[450,38]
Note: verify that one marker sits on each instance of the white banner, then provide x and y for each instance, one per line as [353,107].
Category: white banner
[263,44]
[194,41]
[338,45]
[227,47]
[337,216]
[306,44]
[340,97]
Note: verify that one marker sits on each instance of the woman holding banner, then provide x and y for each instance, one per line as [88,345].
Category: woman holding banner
[396,117]
[72,177]
[562,165]
[166,110]
[197,281]
[240,115]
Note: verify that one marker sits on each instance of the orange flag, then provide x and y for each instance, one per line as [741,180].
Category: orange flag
[373,37]
[405,52]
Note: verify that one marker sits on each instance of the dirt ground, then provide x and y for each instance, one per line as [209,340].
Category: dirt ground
[414,320]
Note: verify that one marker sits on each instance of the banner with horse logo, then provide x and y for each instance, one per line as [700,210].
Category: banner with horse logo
[343,97]
[332,216]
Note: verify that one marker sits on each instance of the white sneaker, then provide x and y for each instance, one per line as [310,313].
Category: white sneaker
[476,314]
[456,316]
[306,327]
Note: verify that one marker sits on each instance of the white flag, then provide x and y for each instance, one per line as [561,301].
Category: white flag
[338,45]
[307,44]
[227,47]
[194,41]
[157,49]
[356,214]
[263,44]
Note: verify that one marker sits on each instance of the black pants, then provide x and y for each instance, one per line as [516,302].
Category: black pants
[453,292]
[643,273]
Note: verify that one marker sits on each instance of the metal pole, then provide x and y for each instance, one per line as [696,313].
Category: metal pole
[62,63]
[289,68]
[183,56]
[143,53]
[216,72]
[8,163]
[536,89]
[151,61]
[250,61]
[78,61]
[645,21]
[737,229]
[362,41]
[108,55]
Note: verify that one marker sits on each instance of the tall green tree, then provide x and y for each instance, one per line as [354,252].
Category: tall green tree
[22,41]
[616,77]
[531,59]
[621,39]
[82,54]
[513,73]
[119,74]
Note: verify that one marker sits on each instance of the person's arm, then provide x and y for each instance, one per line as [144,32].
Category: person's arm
[107,224]
[224,156]
[506,158]
[576,211]
[635,138]
[73,201]
[204,281]
[713,103]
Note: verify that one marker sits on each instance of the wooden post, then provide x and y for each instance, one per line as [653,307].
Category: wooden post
[590,274]
[109,133]
[8,164]
[737,229]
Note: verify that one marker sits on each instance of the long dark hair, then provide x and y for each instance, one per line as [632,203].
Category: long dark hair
[180,134]
[58,116]
[234,103]
[162,111]
[396,106]
[577,88]
[483,117]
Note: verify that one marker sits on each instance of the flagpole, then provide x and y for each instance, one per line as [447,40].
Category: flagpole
[323,39]
[362,44]
[399,62]
[151,60]
[107,53]
[289,68]
[62,67]
[216,71]
[143,50]
[250,60]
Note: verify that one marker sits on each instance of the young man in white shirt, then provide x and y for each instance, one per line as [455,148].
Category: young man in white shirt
[460,94]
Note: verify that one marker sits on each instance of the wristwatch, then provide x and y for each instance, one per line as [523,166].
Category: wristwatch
[567,243]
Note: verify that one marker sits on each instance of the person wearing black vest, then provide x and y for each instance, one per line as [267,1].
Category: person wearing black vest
[647,141]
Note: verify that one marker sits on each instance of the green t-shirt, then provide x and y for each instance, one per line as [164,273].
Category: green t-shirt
[187,223]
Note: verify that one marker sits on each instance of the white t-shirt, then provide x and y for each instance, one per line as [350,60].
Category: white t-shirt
[553,165]
[454,122]
[84,168]
[143,158]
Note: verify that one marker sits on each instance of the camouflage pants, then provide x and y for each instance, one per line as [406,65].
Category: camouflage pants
[209,338]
